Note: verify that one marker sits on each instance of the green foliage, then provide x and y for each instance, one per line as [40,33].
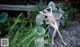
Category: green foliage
[3,17]
[36,10]
[23,32]
[23,36]
[69,14]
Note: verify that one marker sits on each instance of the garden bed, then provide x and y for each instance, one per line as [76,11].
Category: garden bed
[22,30]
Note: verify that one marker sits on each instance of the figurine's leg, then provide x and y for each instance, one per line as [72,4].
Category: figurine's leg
[53,36]
[54,32]
[61,37]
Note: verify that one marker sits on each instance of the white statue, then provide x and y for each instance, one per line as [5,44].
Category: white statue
[53,22]
[53,19]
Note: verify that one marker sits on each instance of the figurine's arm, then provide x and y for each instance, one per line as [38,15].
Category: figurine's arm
[57,18]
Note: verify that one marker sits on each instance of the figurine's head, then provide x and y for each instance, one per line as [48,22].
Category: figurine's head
[47,12]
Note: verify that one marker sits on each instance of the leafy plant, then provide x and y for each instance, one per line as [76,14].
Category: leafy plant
[36,10]
[69,14]
[26,33]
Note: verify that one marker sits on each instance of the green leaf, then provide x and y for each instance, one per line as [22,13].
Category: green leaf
[3,17]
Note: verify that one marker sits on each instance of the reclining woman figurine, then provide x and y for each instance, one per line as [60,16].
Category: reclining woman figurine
[53,22]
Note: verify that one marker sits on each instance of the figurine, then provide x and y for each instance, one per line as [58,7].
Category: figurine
[53,22]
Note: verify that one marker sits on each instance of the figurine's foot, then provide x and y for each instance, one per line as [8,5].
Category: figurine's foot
[52,42]
[64,43]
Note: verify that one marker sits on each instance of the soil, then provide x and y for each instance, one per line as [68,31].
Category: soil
[70,35]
